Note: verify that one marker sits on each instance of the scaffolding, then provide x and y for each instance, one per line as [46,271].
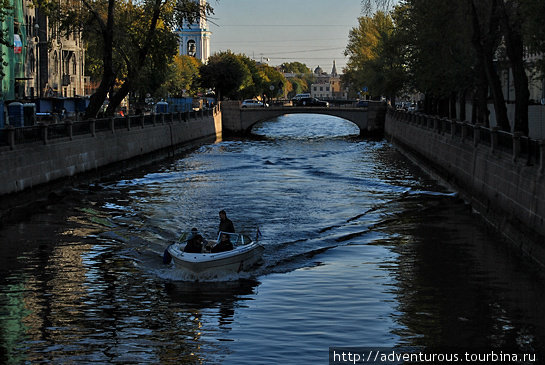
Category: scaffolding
[13,57]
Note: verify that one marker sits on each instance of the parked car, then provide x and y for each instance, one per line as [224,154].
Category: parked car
[362,104]
[295,100]
[252,103]
[312,102]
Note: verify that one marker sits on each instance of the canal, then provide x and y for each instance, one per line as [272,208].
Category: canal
[362,250]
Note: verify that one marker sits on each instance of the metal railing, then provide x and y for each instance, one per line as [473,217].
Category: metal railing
[45,133]
[521,148]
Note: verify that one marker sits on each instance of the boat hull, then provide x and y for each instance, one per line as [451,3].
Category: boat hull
[216,264]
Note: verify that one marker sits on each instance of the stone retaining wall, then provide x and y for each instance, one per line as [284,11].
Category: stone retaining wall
[36,156]
[500,174]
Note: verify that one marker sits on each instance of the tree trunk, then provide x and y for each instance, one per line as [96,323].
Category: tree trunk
[512,31]
[108,76]
[124,90]
[485,54]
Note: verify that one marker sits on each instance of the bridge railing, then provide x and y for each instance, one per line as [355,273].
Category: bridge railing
[521,148]
[45,133]
[333,103]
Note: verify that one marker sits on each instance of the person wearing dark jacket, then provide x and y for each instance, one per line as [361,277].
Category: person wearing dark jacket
[194,243]
[224,245]
[225,223]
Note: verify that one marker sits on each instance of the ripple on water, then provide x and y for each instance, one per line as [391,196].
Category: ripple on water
[360,250]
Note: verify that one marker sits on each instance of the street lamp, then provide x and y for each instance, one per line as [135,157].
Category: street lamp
[38,86]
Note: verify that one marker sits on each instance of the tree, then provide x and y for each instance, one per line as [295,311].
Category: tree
[126,34]
[485,41]
[183,75]
[296,86]
[226,73]
[534,31]
[452,49]
[375,56]
[295,67]
[511,24]
[237,76]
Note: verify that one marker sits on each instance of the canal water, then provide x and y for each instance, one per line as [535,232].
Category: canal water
[361,250]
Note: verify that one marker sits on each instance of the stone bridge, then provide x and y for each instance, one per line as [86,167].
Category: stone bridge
[370,120]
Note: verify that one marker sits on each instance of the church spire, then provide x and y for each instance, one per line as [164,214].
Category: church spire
[334,70]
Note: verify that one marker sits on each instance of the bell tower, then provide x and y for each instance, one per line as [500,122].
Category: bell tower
[194,39]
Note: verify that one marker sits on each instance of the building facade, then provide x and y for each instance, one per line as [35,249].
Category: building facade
[194,39]
[328,86]
[61,60]
[42,63]
[12,67]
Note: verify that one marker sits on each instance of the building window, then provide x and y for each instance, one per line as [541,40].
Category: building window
[191,48]
[55,63]
[32,62]
[66,66]
[74,66]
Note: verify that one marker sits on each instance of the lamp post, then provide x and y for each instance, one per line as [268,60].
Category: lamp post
[38,87]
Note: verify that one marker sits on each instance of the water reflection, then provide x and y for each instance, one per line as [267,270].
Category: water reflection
[459,286]
[361,250]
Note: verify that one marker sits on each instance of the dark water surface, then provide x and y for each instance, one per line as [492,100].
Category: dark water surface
[361,250]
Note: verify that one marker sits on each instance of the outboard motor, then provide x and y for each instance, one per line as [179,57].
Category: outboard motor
[167,257]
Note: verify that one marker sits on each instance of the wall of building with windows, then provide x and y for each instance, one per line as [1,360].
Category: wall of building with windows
[13,70]
[41,62]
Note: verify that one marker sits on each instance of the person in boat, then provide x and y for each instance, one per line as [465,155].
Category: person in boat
[224,244]
[226,225]
[194,243]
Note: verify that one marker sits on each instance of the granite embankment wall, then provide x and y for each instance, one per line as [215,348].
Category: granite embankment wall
[499,173]
[34,156]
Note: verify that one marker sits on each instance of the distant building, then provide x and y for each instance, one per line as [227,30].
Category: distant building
[194,39]
[61,60]
[328,86]
[321,91]
[42,62]
[13,58]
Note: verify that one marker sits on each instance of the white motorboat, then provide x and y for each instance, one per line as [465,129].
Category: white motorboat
[208,264]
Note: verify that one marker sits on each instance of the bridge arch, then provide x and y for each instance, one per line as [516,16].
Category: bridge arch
[237,120]
[280,113]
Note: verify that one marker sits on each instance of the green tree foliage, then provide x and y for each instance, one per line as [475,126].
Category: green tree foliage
[451,50]
[131,43]
[227,74]
[239,77]
[297,85]
[272,82]
[534,31]
[183,75]
[295,67]
[375,56]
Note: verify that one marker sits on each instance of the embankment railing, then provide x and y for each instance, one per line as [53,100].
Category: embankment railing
[46,133]
[521,148]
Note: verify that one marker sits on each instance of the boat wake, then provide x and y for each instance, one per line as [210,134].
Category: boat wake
[145,242]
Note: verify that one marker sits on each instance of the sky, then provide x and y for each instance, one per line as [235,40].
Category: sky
[314,32]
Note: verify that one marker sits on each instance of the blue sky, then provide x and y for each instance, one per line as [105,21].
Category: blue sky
[314,32]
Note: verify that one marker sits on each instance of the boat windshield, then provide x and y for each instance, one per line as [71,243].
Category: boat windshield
[237,239]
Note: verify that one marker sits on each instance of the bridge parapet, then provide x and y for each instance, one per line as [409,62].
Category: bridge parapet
[370,120]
